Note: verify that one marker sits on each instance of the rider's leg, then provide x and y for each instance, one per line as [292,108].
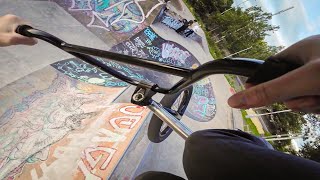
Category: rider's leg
[182,28]
[227,154]
[189,33]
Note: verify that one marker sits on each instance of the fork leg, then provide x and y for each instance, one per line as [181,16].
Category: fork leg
[168,118]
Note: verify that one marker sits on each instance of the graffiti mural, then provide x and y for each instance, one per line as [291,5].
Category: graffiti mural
[109,144]
[202,105]
[171,22]
[85,72]
[148,44]
[62,121]
[122,17]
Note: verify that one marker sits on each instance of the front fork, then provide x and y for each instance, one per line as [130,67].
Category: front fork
[177,126]
[143,97]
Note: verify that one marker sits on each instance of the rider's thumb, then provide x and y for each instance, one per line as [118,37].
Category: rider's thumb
[300,82]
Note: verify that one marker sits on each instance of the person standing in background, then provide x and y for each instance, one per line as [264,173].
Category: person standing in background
[194,28]
[185,25]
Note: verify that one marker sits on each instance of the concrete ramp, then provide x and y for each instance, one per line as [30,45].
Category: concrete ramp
[48,16]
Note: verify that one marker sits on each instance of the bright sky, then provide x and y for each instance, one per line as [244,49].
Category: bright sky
[300,22]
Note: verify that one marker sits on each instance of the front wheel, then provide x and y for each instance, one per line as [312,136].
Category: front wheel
[176,104]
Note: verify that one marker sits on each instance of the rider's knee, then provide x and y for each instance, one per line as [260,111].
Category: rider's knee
[195,138]
[200,138]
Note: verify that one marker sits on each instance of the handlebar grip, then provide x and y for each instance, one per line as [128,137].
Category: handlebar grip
[23,30]
[272,69]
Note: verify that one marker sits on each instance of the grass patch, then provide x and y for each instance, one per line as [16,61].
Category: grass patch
[249,122]
[266,133]
[213,48]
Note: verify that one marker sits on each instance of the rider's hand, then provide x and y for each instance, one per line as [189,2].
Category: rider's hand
[298,89]
[8,36]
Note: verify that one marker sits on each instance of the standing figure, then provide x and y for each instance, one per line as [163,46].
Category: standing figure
[194,28]
[185,25]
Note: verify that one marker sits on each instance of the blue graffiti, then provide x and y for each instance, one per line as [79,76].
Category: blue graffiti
[100,5]
[84,72]
[150,34]
[155,52]
[80,4]
[171,22]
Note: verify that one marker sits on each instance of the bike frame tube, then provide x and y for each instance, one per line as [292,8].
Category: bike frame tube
[244,67]
[177,126]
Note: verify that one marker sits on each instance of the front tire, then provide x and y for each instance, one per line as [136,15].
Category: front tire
[158,130]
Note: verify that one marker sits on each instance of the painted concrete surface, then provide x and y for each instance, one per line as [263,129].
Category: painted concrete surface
[58,120]
[23,60]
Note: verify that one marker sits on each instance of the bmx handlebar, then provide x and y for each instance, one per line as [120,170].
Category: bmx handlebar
[238,66]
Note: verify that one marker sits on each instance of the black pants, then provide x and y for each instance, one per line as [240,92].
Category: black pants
[182,28]
[188,33]
[229,154]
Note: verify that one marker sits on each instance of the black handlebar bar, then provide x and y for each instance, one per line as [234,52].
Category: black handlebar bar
[237,66]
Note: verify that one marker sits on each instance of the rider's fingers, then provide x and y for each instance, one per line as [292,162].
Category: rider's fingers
[301,102]
[19,39]
[306,104]
[300,82]
[248,85]
[314,110]
[8,39]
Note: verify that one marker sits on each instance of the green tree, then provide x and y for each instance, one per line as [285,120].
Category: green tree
[242,29]
[284,146]
[287,122]
[311,150]
[261,50]
[207,7]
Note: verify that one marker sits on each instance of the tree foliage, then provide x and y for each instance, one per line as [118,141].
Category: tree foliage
[287,122]
[236,29]
[311,150]
[207,7]
[244,29]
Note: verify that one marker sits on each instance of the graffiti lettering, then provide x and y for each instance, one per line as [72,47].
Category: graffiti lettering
[201,90]
[204,103]
[97,158]
[84,72]
[170,61]
[80,5]
[148,41]
[119,123]
[155,52]
[86,172]
[114,15]
[171,22]
[150,34]
[139,43]
[126,110]
[108,152]
[169,51]
[135,51]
